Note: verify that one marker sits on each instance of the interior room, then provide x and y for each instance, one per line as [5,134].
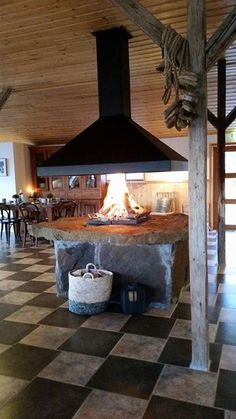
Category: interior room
[117,209]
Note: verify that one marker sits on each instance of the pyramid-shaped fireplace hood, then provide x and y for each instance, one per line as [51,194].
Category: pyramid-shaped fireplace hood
[114,143]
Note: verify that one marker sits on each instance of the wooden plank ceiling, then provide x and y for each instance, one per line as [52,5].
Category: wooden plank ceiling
[48,58]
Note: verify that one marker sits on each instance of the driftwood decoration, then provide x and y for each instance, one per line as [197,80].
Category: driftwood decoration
[184,108]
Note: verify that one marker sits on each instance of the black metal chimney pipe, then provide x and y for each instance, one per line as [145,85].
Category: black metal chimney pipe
[113,72]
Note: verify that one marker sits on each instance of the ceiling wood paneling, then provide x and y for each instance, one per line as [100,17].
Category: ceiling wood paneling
[48,58]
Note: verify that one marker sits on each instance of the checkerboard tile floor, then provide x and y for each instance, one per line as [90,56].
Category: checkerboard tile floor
[54,364]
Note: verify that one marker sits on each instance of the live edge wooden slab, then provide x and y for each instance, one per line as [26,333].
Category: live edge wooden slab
[158,229]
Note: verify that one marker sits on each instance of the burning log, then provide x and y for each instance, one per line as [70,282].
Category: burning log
[119,206]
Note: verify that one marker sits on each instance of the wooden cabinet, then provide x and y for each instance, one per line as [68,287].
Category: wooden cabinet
[38,155]
[90,189]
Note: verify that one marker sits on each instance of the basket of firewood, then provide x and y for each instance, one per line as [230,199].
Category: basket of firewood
[89,290]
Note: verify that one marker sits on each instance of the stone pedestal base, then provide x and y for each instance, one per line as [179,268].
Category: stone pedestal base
[162,268]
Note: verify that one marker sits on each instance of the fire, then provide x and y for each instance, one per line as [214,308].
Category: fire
[119,206]
[118,201]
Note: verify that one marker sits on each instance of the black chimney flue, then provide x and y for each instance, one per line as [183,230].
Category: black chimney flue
[113,71]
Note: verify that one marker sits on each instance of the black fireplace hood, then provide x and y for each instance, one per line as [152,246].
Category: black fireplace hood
[114,142]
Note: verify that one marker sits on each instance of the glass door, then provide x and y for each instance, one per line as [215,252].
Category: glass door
[230,187]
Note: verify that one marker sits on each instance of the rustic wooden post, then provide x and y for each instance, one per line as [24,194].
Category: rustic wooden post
[221,109]
[198,188]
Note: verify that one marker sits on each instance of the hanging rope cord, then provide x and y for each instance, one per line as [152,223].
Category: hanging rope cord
[175,49]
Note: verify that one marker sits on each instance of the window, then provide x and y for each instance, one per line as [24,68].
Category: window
[130,177]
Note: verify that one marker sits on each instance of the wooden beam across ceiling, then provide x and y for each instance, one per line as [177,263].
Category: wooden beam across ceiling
[221,39]
[215,47]
[231,117]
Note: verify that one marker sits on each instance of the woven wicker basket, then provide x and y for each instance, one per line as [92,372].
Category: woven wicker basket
[89,290]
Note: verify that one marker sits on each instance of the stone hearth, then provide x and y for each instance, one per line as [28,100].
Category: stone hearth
[154,254]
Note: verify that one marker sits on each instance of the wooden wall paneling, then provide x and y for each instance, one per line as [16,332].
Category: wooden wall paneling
[51,65]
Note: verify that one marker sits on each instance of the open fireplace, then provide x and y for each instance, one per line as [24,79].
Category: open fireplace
[119,206]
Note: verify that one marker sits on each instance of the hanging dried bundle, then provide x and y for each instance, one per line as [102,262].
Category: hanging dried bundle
[184,108]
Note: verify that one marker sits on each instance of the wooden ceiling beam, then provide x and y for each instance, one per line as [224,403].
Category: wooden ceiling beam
[231,117]
[142,18]
[212,118]
[221,39]
[4,95]
[215,47]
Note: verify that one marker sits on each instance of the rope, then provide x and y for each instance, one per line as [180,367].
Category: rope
[175,49]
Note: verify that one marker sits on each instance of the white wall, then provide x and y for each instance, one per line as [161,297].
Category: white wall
[7,183]
[18,169]
[145,193]
[22,168]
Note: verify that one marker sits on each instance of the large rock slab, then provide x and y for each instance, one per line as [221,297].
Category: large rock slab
[151,265]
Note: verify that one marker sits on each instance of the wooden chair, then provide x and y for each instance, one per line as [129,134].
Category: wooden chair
[7,221]
[30,214]
[66,209]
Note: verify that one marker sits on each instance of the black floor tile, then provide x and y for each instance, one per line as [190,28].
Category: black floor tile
[226,333]
[7,309]
[35,286]
[158,327]
[176,351]
[114,307]
[162,407]
[226,390]
[15,267]
[126,376]
[45,399]
[92,342]
[215,354]
[8,260]
[12,332]
[183,311]
[38,254]
[24,276]
[226,300]
[213,314]
[64,318]
[49,262]
[179,352]
[47,300]
[25,361]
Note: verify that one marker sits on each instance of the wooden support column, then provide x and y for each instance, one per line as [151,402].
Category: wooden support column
[221,116]
[198,189]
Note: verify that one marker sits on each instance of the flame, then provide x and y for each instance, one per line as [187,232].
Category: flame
[118,201]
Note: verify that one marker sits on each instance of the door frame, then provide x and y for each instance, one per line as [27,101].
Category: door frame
[214,185]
